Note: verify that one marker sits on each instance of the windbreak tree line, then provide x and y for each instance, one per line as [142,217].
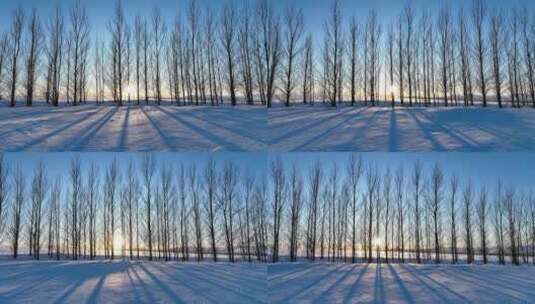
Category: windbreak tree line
[142,210]
[358,211]
[255,53]
[351,211]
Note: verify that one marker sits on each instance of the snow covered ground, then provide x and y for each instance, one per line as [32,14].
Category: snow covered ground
[362,283]
[131,282]
[133,128]
[323,128]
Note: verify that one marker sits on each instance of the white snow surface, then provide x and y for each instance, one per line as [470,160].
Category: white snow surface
[100,128]
[131,282]
[400,283]
[382,129]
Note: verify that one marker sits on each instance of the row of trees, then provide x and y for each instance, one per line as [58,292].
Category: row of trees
[451,57]
[360,212]
[255,53]
[141,210]
[355,212]
[200,57]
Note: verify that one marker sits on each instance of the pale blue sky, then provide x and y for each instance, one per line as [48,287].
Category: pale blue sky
[514,169]
[315,11]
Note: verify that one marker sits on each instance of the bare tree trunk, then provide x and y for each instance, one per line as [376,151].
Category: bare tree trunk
[15,44]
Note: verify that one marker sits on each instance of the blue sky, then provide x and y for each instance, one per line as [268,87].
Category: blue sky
[58,164]
[514,169]
[315,11]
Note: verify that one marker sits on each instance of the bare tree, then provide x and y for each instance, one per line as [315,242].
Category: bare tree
[34,51]
[279,200]
[409,22]
[314,185]
[268,50]
[79,45]
[195,206]
[467,214]
[148,167]
[416,181]
[19,191]
[528,35]
[510,209]
[15,45]
[482,211]
[387,198]
[159,32]
[444,27]
[210,189]
[497,44]
[373,34]
[118,29]
[54,50]
[454,184]
[4,192]
[295,211]
[333,43]
[38,197]
[294,29]
[479,14]
[372,181]
[228,38]
[354,172]
[3,55]
[436,187]
[400,206]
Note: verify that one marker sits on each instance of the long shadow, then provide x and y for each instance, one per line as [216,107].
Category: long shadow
[468,143]
[228,129]
[480,283]
[73,277]
[123,139]
[378,290]
[420,274]
[93,298]
[354,288]
[327,293]
[291,297]
[283,112]
[132,283]
[144,286]
[84,140]
[303,268]
[406,294]
[170,293]
[218,283]
[36,122]
[436,145]
[192,274]
[393,145]
[328,130]
[491,123]
[167,141]
[214,139]
[366,126]
[53,111]
[189,283]
[230,274]
[59,130]
[317,123]
[501,282]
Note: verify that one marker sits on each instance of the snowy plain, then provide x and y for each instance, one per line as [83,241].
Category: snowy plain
[400,283]
[132,128]
[382,129]
[131,282]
